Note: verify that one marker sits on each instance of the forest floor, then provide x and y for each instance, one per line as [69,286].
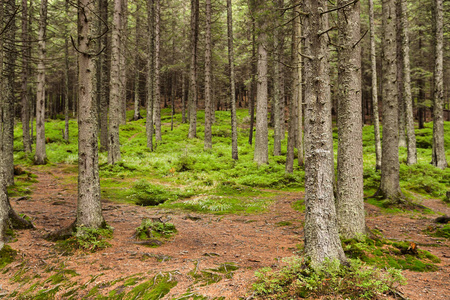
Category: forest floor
[193,256]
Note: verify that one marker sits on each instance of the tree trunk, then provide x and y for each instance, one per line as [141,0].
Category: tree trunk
[253,83]
[104,85]
[115,100]
[157,84]
[183,98]
[410,134]
[25,76]
[298,87]
[137,70]
[261,155]
[376,118]
[89,210]
[278,44]
[438,158]
[321,231]
[208,102]
[234,145]
[66,77]
[390,167]
[122,61]
[40,156]
[193,70]
[150,76]
[350,195]
[400,83]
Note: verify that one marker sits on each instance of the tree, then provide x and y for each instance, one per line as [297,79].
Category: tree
[234,146]
[390,167]
[349,202]
[261,155]
[193,70]
[438,158]
[208,77]
[410,134]
[137,71]
[104,76]
[114,96]
[321,231]
[89,210]
[25,77]
[66,76]
[150,75]
[156,85]
[298,90]
[373,64]
[400,78]
[277,79]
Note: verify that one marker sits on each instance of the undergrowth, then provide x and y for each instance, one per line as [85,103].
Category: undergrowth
[86,239]
[155,230]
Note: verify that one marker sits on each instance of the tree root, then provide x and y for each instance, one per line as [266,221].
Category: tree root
[62,234]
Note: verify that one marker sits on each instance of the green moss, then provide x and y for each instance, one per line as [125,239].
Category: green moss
[152,230]
[299,205]
[214,275]
[283,223]
[86,239]
[155,288]
[7,256]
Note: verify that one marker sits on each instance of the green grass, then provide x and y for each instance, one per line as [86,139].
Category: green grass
[7,256]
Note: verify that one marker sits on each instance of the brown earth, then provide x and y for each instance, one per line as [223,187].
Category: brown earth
[250,241]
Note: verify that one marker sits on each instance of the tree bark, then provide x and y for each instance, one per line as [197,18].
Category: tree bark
[183,98]
[122,61]
[150,76]
[321,230]
[261,155]
[400,78]
[40,155]
[390,167]
[298,88]
[137,70]
[373,61]
[157,84]
[115,100]
[104,84]
[66,76]
[410,134]
[438,158]
[234,145]
[253,82]
[89,210]
[25,76]
[208,76]
[193,70]
[350,195]
[278,44]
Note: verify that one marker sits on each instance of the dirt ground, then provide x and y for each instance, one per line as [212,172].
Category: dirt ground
[203,241]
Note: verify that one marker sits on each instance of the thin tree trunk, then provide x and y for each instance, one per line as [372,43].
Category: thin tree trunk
[253,83]
[25,76]
[400,83]
[104,85]
[137,70]
[390,167]
[321,230]
[115,100]
[173,95]
[193,70]
[208,102]
[89,210]
[234,145]
[66,76]
[350,195]
[299,90]
[278,44]
[373,60]
[150,81]
[438,158]
[410,134]
[183,98]
[40,156]
[157,84]
[123,28]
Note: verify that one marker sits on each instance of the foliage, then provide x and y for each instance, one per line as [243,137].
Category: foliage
[299,279]
[7,255]
[440,231]
[147,194]
[87,239]
[213,275]
[151,229]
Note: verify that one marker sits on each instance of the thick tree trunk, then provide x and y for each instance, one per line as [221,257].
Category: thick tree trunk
[150,75]
[261,155]
[89,210]
[373,62]
[25,76]
[208,76]
[157,84]
[390,167]
[234,145]
[321,230]
[115,100]
[40,156]
[438,158]
[193,70]
[410,133]
[350,195]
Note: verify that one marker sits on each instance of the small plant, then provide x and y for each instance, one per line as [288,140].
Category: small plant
[299,279]
[439,231]
[7,255]
[151,229]
[87,239]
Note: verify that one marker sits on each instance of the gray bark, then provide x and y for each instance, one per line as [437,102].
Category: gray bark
[150,75]
[183,98]
[234,145]
[390,167]
[104,77]
[321,230]
[350,195]
[137,69]
[410,134]
[261,155]
[208,77]
[123,28]
[115,85]
[438,158]
[298,88]
[157,85]
[193,71]
[373,60]
[66,77]
[400,78]
[278,43]
[40,155]
[25,76]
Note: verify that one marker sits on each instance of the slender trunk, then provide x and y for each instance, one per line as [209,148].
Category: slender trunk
[122,61]
[150,67]
[400,78]
[278,44]
[40,156]
[115,100]
[438,157]
[89,210]
[350,195]
[373,60]
[172,99]
[66,77]
[208,104]
[289,168]
[193,70]
[183,98]
[234,145]
[25,76]
[410,134]
[104,85]
[321,231]
[390,167]
[157,84]
[253,83]
[137,70]
[299,90]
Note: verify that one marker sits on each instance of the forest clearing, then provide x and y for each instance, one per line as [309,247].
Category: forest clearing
[232,219]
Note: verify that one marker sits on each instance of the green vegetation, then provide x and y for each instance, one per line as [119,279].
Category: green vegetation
[210,276]
[7,255]
[440,231]
[86,239]
[155,231]
[298,279]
